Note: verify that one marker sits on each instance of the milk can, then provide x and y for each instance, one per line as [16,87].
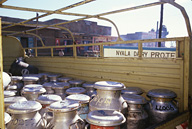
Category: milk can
[84,102]
[16,84]
[54,77]
[10,100]
[30,80]
[90,90]
[9,93]
[48,87]
[75,90]
[132,90]
[44,77]
[162,105]
[108,96]
[76,83]
[7,119]
[137,117]
[32,91]
[16,79]
[45,101]
[60,88]
[25,115]
[64,79]
[105,119]
[65,115]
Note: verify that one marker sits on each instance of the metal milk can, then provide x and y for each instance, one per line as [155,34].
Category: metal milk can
[25,115]
[84,102]
[10,100]
[16,84]
[32,91]
[105,119]
[45,101]
[54,77]
[75,90]
[132,90]
[9,93]
[162,105]
[30,80]
[108,96]
[137,117]
[65,115]
[60,88]
[90,90]
[7,119]
[48,87]
[64,79]
[44,77]
[76,83]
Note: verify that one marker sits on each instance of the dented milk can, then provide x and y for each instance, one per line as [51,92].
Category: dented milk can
[65,115]
[25,115]
[105,119]
[84,103]
[76,83]
[60,88]
[90,90]
[45,101]
[75,90]
[32,91]
[162,105]
[108,96]
[137,117]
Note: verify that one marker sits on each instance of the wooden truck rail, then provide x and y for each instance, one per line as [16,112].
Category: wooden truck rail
[146,73]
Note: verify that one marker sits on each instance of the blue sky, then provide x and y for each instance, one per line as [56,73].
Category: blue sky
[128,22]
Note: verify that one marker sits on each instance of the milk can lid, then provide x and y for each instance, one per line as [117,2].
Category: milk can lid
[14,99]
[48,98]
[76,82]
[9,93]
[64,78]
[75,90]
[7,117]
[109,85]
[30,78]
[61,85]
[24,107]
[54,75]
[48,84]
[132,90]
[64,106]
[134,99]
[88,84]
[34,88]
[105,118]
[16,78]
[162,93]
[81,98]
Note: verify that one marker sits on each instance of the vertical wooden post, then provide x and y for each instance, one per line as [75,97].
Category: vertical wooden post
[140,49]
[51,52]
[101,51]
[74,51]
[35,52]
[2,125]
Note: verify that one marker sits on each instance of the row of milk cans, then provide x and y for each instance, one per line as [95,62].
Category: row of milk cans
[54,102]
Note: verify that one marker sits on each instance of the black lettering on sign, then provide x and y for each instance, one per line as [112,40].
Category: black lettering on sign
[164,108]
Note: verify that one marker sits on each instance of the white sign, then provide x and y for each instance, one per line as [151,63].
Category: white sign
[111,52]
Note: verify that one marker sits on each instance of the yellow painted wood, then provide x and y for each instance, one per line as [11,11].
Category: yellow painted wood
[2,125]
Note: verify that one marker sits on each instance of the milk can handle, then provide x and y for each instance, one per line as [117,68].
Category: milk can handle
[177,103]
[93,95]
[76,122]
[86,126]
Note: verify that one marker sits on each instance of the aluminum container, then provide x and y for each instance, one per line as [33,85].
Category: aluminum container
[108,97]
[162,105]
[132,90]
[32,91]
[65,115]
[76,83]
[48,87]
[16,79]
[75,90]
[84,102]
[25,115]
[137,117]
[64,79]
[60,88]
[7,118]
[105,119]
[9,93]
[30,80]
[10,100]
[44,77]
[90,90]
[54,77]
[45,101]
